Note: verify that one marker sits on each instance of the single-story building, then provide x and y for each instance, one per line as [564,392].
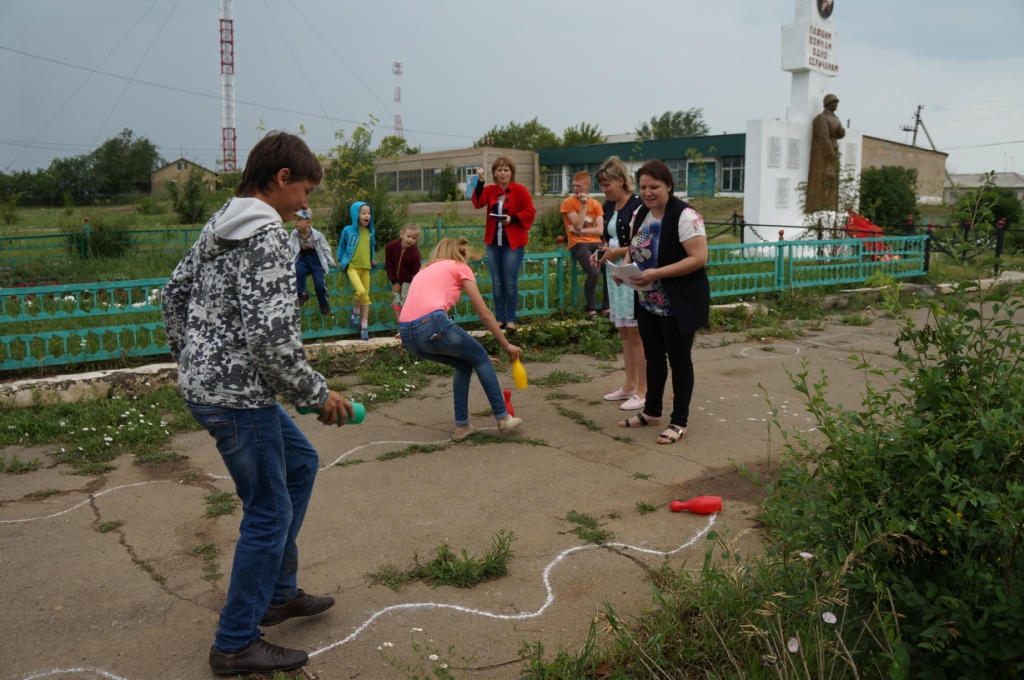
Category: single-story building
[418,172]
[1013,181]
[176,171]
[711,165]
[930,165]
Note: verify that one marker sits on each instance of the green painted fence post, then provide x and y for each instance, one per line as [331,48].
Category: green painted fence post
[780,261]
[560,277]
[86,238]
[438,227]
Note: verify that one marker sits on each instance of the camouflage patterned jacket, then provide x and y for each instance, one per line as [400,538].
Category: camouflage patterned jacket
[230,314]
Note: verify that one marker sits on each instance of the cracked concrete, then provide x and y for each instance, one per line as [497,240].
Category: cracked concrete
[78,598]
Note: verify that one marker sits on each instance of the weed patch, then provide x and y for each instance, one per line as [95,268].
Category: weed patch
[449,569]
[577,417]
[223,503]
[411,451]
[560,377]
[209,552]
[587,528]
[113,525]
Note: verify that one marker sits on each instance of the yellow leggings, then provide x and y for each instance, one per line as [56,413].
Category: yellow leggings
[360,280]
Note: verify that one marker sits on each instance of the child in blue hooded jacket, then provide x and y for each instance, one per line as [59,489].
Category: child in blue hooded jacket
[355,257]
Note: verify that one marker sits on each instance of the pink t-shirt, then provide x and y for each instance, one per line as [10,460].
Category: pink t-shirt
[438,286]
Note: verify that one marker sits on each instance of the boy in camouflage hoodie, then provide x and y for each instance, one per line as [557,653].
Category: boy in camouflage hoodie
[233,327]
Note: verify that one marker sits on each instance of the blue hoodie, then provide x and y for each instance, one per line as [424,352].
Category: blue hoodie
[350,236]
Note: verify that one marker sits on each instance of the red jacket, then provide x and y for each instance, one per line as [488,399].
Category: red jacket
[518,204]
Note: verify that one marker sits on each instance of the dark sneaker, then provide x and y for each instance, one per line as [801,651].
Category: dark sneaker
[325,310]
[303,298]
[303,604]
[258,657]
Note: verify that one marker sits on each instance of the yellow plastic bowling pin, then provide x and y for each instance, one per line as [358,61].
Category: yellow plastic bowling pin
[519,375]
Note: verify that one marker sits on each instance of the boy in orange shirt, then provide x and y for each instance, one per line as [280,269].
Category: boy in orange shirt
[584,226]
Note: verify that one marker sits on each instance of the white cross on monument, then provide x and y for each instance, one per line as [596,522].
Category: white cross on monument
[778,151]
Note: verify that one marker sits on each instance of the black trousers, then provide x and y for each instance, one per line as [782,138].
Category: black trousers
[664,347]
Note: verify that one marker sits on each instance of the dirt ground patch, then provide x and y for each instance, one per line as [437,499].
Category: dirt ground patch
[132,603]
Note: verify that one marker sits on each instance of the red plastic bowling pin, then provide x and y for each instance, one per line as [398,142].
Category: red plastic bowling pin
[508,403]
[702,505]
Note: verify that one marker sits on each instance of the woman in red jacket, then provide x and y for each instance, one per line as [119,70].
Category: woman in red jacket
[510,215]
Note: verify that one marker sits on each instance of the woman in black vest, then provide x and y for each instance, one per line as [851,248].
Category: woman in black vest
[670,247]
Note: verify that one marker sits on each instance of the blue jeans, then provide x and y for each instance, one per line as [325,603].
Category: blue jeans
[435,337]
[310,266]
[273,466]
[504,264]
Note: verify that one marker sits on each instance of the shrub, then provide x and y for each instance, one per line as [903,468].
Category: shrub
[9,207]
[888,195]
[189,199]
[447,187]
[107,237]
[920,490]
[548,226]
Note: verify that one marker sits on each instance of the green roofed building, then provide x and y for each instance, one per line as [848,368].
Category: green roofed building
[701,166]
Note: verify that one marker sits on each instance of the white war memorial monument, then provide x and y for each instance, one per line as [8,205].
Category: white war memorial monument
[778,152]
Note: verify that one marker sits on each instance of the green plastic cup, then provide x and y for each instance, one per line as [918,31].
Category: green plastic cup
[359,409]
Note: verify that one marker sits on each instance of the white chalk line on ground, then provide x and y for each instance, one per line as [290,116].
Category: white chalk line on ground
[546,578]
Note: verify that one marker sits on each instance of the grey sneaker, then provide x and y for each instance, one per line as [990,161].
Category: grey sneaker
[259,657]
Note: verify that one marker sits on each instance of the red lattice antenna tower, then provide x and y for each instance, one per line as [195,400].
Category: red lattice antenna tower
[396,68]
[227,87]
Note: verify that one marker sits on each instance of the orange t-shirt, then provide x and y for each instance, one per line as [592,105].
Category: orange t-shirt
[574,205]
[438,286]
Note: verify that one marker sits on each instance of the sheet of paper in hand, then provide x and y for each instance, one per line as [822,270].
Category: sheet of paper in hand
[623,274]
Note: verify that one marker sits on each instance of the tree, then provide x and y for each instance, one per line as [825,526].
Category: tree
[888,195]
[581,135]
[351,178]
[530,136]
[672,124]
[447,187]
[123,163]
[392,147]
[74,176]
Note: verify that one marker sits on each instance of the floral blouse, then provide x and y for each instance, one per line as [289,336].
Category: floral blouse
[643,250]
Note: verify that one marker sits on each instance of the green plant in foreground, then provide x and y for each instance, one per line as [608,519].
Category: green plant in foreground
[578,417]
[560,377]
[223,503]
[921,490]
[112,525]
[644,508]
[448,569]
[587,528]
[432,662]
[209,552]
[16,466]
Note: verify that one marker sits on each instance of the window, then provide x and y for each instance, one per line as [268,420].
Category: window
[553,180]
[182,166]
[410,180]
[677,167]
[732,173]
[591,168]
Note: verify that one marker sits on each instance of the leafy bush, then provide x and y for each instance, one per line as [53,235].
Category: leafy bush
[447,188]
[189,200]
[548,226]
[107,237]
[9,208]
[920,490]
[888,195]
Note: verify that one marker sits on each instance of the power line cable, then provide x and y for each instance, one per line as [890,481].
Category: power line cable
[137,67]
[298,63]
[72,96]
[217,97]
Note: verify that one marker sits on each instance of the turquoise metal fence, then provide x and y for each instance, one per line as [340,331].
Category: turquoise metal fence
[57,325]
[58,248]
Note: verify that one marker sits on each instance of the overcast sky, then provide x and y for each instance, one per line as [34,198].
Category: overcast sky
[74,73]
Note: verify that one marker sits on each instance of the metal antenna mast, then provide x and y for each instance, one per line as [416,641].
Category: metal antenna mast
[227,87]
[396,68]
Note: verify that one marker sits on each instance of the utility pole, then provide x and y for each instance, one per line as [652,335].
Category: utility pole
[227,88]
[917,122]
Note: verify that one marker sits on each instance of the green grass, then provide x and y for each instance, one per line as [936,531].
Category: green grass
[209,552]
[448,568]
[641,475]
[560,377]
[587,528]
[16,466]
[223,503]
[113,525]
[644,508]
[578,418]
[411,450]
[88,436]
